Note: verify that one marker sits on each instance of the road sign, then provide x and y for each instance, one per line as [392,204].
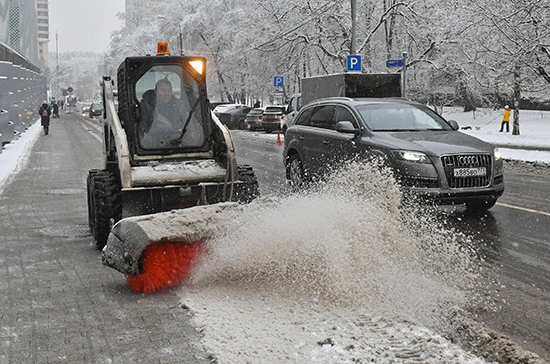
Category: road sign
[394,63]
[70,89]
[354,63]
[278,81]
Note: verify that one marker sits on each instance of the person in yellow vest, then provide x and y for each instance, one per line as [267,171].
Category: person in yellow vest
[505,119]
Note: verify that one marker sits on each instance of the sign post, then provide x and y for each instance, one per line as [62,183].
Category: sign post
[404,74]
[354,63]
[394,63]
[278,81]
[400,63]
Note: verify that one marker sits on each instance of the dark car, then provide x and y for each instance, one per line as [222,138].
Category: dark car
[234,118]
[96,109]
[254,118]
[217,103]
[273,117]
[428,155]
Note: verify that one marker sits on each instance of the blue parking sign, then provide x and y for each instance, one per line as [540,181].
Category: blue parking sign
[354,63]
[278,81]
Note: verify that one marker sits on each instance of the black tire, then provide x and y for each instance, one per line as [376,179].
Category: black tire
[89,197]
[242,125]
[295,174]
[106,202]
[249,189]
[480,206]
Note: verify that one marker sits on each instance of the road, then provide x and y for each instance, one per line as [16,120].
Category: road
[513,238]
[59,304]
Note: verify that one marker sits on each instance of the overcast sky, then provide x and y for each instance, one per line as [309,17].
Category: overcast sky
[83,25]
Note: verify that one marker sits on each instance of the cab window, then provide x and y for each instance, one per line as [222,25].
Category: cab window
[170,114]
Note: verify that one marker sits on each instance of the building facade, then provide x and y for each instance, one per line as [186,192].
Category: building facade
[24,28]
[43,21]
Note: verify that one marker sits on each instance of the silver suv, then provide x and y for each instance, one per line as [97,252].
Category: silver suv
[427,153]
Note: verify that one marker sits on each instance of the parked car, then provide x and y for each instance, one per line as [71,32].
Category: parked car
[273,115]
[234,118]
[253,119]
[224,107]
[217,103]
[96,109]
[429,156]
[86,107]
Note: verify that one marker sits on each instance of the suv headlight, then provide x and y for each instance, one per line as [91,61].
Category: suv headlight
[497,154]
[410,156]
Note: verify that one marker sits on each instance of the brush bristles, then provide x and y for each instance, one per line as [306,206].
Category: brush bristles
[165,265]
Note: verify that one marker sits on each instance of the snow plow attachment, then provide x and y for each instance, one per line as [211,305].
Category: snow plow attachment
[158,251]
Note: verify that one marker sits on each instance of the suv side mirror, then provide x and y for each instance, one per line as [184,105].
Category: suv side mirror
[345,127]
[454,124]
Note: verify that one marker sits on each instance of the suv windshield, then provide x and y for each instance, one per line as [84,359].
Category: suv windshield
[401,118]
[170,111]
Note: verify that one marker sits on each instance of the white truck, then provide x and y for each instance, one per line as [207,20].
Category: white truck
[351,85]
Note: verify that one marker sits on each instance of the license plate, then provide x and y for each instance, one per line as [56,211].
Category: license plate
[470,172]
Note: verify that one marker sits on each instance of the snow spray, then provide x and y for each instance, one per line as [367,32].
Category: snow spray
[348,244]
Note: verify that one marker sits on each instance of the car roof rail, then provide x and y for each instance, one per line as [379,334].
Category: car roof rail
[335,98]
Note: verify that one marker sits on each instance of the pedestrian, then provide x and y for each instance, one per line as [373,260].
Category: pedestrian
[45,112]
[505,119]
[257,104]
[55,110]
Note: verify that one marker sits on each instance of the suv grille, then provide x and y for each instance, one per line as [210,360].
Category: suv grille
[450,162]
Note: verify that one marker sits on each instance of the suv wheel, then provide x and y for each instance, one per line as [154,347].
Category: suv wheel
[295,171]
[104,206]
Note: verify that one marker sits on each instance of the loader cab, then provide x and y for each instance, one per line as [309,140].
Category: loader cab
[164,108]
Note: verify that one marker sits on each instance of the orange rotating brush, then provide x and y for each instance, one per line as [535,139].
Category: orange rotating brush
[165,265]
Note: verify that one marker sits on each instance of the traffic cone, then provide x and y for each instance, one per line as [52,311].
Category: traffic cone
[279,139]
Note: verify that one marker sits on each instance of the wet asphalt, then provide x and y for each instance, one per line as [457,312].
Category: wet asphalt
[58,303]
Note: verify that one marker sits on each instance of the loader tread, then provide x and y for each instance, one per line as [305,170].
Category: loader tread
[106,205]
[89,197]
[249,189]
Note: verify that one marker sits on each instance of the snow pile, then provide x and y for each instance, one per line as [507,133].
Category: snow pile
[15,154]
[484,124]
[339,274]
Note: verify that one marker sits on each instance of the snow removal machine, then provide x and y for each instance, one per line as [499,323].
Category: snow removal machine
[165,152]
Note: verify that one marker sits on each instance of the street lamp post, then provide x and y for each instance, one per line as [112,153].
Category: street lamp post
[404,75]
[353,49]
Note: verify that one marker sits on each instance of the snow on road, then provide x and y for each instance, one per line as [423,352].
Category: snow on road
[336,275]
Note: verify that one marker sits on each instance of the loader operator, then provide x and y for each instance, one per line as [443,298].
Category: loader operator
[168,121]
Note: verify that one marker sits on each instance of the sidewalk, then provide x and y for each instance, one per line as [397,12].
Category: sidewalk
[58,303]
[533,143]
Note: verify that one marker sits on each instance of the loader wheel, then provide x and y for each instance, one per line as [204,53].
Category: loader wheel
[249,189]
[90,199]
[106,205]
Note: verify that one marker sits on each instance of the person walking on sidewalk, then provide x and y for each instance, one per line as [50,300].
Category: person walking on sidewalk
[45,112]
[505,119]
